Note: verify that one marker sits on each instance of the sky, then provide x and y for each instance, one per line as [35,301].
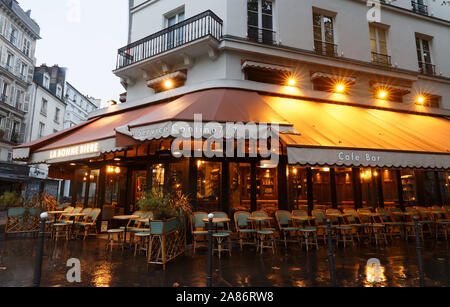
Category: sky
[83,36]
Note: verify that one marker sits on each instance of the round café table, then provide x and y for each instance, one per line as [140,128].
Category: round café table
[217,221]
[126,218]
[260,219]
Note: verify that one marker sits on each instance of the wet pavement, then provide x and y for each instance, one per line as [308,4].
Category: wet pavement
[291,267]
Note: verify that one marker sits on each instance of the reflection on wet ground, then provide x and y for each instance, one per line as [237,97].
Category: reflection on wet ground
[288,267]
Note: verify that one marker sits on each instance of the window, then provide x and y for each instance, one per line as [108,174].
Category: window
[323,27]
[175,37]
[19,95]
[9,62]
[57,114]
[4,92]
[10,156]
[46,81]
[26,47]
[13,35]
[378,46]
[260,21]
[59,91]
[419,6]
[41,130]
[424,56]
[23,71]
[2,122]
[44,107]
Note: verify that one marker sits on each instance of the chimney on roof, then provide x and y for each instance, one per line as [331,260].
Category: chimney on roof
[28,13]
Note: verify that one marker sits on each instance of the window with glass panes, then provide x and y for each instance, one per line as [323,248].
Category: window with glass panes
[323,27]
[424,55]
[260,21]
[378,45]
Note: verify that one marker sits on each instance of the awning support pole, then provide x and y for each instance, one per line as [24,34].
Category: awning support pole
[333,186]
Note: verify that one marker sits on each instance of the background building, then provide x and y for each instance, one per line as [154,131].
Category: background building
[44,118]
[78,106]
[18,35]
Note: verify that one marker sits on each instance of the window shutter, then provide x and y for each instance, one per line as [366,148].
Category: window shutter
[22,133]
[8,128]
[11,98]
[4,56]
[26,104]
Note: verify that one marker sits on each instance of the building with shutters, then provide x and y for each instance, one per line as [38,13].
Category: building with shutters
[18,36]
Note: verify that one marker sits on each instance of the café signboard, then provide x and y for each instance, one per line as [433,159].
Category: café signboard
[73,151]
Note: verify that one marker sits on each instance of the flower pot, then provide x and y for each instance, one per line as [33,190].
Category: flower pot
[163,227]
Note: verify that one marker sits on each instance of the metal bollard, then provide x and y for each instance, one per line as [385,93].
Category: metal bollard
[2,267]
[419,252]
[330,255]
[38,263]
[209,262]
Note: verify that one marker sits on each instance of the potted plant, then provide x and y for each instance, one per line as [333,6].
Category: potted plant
[8,200]
[164,213]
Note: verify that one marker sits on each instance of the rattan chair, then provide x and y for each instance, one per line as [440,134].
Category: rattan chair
[243,228]
[286,226]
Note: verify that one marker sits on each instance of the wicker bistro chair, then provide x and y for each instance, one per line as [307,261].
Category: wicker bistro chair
[115,238]
[222,234]
[442,222]
[308,233]
[60,227]
[90,223]
[426,219]
[390,223]
[322,226]
[266,234]
[286,225]
[353,219]
[243,228]
[410,227]
[198,228]
[378,230]
[344,230]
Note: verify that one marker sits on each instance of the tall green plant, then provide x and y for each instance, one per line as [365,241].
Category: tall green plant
[9,199]
[160,205]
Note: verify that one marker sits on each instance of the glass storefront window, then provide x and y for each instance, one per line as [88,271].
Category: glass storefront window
[80,186]
[176,179]
[344,188]
[115,192]
[409,187]
[157,178]
[297,192]
[140,185]
[369,189]
[322,187]
[390,190]
[445,187]
[93,186]
[240,187]
[266,190]
[208,186]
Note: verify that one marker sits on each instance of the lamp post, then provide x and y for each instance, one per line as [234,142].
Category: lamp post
[38,262]
[209,261]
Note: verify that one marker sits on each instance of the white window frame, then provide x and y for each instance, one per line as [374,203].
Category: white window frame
[44,102]
[46,81]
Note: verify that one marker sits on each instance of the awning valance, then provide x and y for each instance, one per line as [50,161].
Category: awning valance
[329,132]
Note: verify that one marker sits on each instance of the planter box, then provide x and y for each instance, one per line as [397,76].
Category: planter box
[163,227]
[3,215]
[16,222]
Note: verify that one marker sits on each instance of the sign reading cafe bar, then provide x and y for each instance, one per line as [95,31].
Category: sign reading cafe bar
[77,150]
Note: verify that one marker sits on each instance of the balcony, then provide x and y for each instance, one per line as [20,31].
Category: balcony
[381,59]
[427,69]
[326,49]
[264,36]
[419,8]
[203,25]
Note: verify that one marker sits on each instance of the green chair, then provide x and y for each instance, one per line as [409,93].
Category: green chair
[322,226]
[265,232]
[308,233]
[286,225]
[390,223]
[344,228]
[90,223]
[377,229]
[353,220]
[223,233]
[243,228]
[198,228]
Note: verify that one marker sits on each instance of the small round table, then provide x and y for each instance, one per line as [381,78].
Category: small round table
[126,218]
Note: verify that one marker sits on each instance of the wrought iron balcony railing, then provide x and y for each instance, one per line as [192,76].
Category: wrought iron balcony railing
[326,49]
[419,8]
[381,59]
[189,30]
[264,36]
[427,68]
